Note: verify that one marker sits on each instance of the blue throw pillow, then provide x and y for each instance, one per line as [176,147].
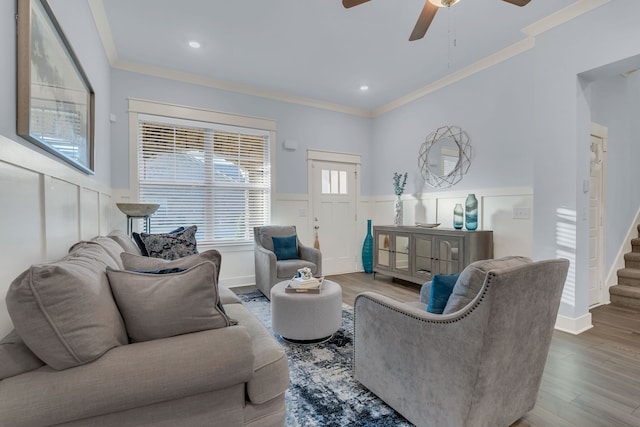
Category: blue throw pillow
[285,247]
[441,288]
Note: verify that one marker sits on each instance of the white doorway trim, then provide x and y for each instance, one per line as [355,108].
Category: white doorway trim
[333,157]
[600,132]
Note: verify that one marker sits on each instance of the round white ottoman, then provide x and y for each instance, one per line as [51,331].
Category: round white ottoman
[306,317]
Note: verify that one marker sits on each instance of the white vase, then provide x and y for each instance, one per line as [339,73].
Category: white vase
[397,211]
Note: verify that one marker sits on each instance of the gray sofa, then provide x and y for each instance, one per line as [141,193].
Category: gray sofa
[480,363]
[269,270]
[235,375]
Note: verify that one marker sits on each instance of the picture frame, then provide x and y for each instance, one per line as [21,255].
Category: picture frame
[55,101]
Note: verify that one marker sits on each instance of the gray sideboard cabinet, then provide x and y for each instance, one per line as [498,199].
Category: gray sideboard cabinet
[415,254]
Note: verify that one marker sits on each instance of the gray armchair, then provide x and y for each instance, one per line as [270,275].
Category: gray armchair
[480,366]
[270,271]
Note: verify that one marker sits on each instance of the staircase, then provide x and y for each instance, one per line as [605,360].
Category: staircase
[627,292]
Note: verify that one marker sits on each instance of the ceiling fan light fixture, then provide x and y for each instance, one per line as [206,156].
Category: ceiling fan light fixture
[443,3]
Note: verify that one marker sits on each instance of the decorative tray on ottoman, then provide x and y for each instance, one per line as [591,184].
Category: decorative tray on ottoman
[309,286]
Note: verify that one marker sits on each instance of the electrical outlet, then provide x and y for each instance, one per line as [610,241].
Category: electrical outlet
[302,212]
[521,213]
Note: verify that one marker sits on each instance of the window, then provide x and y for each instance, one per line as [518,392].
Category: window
[334,181]
[212,175]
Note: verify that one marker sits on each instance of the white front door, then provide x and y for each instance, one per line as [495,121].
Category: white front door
[596,221]
[334,196]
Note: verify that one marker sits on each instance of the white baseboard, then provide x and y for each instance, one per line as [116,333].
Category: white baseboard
[572,325]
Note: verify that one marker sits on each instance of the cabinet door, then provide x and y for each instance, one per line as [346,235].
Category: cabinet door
[450,254]
[401,252]
[383,249]
[423,251]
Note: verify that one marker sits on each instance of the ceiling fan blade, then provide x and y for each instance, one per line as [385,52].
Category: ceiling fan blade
[426,16]
[351,3]
[517,2]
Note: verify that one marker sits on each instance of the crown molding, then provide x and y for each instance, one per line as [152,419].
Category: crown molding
[562,16]
[104,29]
[233,87]
[552,21]
[484,63]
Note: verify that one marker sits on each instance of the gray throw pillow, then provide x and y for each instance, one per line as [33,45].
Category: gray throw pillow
[15,357]
[171,245]
[472,278]
[124,241]
[64,311]
[133,262]
[160,306]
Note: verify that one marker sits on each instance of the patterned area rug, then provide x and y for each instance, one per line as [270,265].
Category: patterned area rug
[323,391]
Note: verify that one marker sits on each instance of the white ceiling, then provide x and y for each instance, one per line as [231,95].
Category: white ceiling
[316,49]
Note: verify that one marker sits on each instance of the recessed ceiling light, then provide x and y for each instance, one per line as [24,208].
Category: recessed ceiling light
[194,44]
[364,88]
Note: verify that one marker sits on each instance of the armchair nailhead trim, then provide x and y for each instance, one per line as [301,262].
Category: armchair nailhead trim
[484,290]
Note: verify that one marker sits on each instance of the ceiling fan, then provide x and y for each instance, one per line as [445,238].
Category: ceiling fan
[428,13]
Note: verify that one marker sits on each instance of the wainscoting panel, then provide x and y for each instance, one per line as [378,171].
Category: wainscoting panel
[45,207]
[22,236]
[495,212]
[511,236]
[89,213]
[62,219]
[105,214]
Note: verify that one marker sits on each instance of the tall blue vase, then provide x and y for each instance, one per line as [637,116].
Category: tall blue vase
[367,250]
[471,212]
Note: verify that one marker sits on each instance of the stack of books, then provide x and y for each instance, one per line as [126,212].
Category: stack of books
[298,284]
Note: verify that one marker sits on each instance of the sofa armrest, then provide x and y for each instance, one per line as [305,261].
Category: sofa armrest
[310,254]
[400,350]
[130,376]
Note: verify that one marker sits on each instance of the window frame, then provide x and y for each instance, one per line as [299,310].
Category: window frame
[138,107]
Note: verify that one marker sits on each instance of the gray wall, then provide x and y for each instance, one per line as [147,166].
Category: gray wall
[529,122]
[77,23]
[493,106]
[310,127]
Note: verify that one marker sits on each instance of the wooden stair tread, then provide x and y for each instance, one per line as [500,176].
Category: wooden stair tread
[632,256]
[630,273]
[625,291]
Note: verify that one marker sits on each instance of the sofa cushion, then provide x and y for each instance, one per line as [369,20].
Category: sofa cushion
[137,262]
[125,241]
[270,370]
[15,357]
[171,245]
[472,278]
[64,311]
[289,268]
[160,306]
[138,375]
[285,247]
[440,291]
[110,246]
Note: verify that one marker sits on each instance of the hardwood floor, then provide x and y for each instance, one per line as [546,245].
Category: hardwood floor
[590,380]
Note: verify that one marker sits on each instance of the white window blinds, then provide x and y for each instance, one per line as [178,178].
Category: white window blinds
[214,176]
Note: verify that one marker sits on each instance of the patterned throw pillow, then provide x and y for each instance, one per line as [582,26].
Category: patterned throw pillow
[171,245]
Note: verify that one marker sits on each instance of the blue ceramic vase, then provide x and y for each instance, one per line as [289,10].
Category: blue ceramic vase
[458,217]
[367,250]
[471,212]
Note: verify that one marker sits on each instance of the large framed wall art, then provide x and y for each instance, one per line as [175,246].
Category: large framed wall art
[55,106]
